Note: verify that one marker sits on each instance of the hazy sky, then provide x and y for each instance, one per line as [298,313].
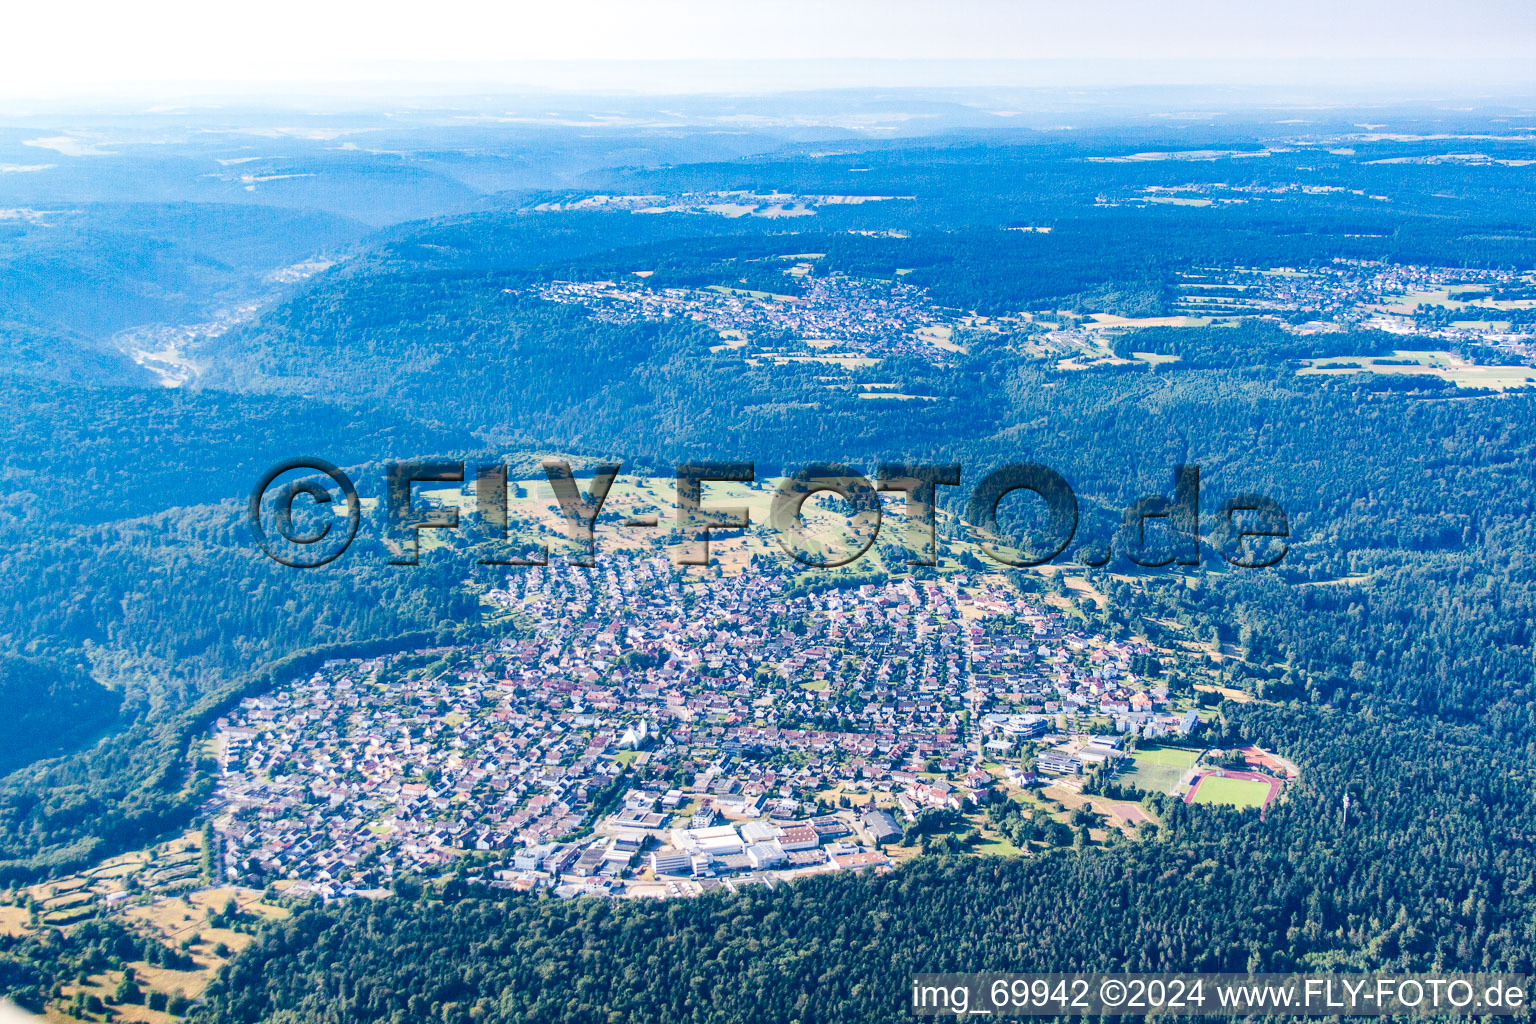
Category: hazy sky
[62,47]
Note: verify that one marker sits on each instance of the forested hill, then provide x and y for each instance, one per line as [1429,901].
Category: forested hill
[52,707]
[72,277]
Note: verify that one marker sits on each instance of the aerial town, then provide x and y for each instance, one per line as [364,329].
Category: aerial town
[834,315]
[660,734]
[837,320]
[1493,307]
[720,203]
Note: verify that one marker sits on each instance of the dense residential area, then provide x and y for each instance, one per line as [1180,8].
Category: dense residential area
[660,727]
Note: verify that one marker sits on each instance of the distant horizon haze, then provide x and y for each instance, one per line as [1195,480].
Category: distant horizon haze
[174,50]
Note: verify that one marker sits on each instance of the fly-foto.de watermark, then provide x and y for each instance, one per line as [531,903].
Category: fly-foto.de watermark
[1444,995]
[1249,530]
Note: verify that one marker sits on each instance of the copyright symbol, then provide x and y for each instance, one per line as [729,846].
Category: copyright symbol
[282,514]
[1112,993]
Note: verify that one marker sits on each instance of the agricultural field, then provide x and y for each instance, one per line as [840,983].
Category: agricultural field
[1433,363]
[73,898]
[160,892]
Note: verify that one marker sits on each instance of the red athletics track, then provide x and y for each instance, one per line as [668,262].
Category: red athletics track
[1231,773]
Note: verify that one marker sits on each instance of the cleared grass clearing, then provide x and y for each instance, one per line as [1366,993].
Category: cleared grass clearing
[176,918]
[1413,301]
[752,293]
[989,842]
[534,519]
[1237,696]
[1103,320]
[846,362]
[941,336]
[730,340]
[13,921]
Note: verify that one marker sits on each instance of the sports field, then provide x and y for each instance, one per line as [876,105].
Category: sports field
[1213,789]
[1173,757]
[1159,769]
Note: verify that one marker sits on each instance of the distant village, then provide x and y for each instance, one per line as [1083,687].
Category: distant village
[826,316]
[1447,304]
[660,734]
[836,316]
